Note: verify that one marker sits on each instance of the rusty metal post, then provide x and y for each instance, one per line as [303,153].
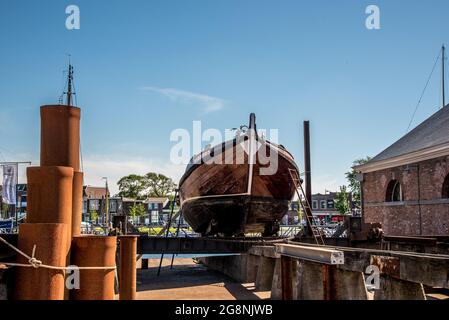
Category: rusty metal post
[49,198]
[308,175]
[41,283]
[144,264]
[77,203]
[286,278]
[94,251]
[60,136]
[128,254]
[329,282]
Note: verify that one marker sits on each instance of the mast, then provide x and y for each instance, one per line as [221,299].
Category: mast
[443,58]
[69,85]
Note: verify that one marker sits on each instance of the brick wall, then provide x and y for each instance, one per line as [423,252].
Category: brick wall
[422,211]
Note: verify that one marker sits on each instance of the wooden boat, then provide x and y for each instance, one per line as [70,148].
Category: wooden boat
[236,188]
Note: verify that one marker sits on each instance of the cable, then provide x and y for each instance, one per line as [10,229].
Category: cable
[423,92]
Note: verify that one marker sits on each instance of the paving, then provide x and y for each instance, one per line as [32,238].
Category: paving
[191,281]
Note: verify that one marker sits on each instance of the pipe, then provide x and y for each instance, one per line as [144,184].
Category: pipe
[60,136]
[77,203]
[128,254]
[49,198]
[308,176]
[41,283]
[94,251]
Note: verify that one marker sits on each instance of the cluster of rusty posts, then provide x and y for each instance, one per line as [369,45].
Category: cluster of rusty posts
[54,214]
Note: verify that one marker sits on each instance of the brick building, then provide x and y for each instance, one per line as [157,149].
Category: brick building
[406,187]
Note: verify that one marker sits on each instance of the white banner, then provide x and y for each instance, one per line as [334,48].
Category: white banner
[9,184]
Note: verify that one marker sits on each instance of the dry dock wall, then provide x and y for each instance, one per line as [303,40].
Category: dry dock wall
[402,275]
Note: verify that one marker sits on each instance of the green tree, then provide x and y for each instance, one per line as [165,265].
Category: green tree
[354,184]
[137,210]
[342,201]
[158,185]
[141,187]
[132,186]
[93,215]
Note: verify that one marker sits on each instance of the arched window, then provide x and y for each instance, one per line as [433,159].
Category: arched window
[445,189]
[394,191]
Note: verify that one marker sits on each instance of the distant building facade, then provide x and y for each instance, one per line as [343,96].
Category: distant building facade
[157,209]
[406,187]
[323,209]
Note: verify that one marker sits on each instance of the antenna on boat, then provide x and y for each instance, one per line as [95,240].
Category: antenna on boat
[443,58]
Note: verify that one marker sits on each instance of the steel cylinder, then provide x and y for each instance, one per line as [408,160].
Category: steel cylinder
[128,254]
[94,251]
[77,203]
[41,283]
[49,196]
[60,136]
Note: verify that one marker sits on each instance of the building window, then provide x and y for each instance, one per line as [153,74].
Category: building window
[314,204]
[94,204]
[445,191]
[394,191]
[154,217]
[323,204]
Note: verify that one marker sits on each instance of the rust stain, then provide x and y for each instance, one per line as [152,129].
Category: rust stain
[387,265]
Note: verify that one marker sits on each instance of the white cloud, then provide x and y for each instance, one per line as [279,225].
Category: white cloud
[207,103]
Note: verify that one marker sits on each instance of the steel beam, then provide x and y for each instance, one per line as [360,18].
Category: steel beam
[311,253]
[158,245]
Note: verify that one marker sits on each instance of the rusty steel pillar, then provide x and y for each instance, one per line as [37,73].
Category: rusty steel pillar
[286,278]
[308,176]
[49,198]
[329,282]
[128,254]
[94,251]
[60,136]
[77,203]
[41,283]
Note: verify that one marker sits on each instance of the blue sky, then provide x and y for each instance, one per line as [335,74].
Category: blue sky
[145,68]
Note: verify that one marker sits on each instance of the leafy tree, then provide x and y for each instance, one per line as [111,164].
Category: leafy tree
[150,185]
[93,215]
[137,210]
[354,185]
[158,185]
[342,201]
[132,186]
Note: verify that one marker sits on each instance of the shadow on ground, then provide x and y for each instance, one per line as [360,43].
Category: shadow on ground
[190,281]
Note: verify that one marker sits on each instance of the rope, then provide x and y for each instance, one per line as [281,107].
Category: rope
[424,90]
[35,263]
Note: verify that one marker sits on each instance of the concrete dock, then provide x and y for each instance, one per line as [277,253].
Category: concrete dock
[189,280]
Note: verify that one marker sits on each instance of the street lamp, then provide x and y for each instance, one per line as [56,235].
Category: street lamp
[107,201]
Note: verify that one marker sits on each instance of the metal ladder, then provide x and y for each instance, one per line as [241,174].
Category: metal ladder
[305,205]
